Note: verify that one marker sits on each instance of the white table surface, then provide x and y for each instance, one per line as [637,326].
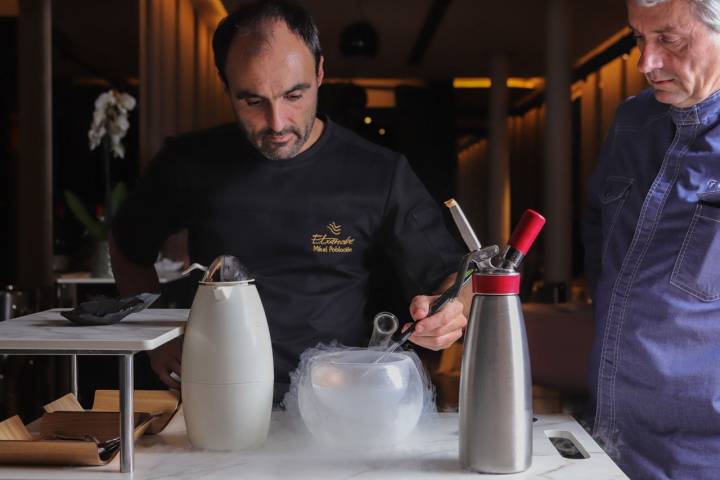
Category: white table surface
[50,331]
[431,452]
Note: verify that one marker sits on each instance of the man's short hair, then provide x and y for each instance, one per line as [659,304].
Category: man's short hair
[252,17]
[708,11]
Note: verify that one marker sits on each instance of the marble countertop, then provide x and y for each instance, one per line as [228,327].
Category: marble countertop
[50,331]
[431,452]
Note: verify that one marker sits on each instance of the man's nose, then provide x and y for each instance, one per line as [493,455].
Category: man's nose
[650,59]
[276,117]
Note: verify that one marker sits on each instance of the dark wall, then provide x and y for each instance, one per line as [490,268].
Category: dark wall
[421,127]
[8,145]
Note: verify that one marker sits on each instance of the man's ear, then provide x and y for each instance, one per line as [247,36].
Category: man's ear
[225,88]
[320,71]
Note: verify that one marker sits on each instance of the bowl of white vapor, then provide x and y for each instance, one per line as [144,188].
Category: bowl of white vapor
[360,397]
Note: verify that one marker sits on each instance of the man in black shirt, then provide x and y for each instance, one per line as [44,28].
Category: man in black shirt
[304,203]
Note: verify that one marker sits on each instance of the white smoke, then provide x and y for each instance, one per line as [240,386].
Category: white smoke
[345,400]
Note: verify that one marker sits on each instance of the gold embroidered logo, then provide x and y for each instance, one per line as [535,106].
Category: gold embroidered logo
[324,243]
[334,229]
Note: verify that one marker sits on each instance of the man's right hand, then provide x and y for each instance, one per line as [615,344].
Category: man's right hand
[131,279]
[165,360]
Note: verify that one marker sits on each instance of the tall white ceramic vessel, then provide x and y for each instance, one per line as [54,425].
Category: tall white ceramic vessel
[227,368]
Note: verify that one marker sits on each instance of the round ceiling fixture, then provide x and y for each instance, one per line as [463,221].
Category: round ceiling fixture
[359,39]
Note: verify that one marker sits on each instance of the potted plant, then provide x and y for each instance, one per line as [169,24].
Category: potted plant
[109,126]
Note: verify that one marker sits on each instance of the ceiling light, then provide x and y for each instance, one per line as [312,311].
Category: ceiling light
[359,39]
[530,83]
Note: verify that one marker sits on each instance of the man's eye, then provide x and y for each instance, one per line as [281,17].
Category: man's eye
[669,40]
[293,97]
[251,102]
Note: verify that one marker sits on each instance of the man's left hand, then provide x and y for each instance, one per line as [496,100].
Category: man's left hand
[440,330]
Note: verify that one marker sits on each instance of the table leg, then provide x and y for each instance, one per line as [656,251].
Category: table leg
[74,295]
[74,376]
[127,442]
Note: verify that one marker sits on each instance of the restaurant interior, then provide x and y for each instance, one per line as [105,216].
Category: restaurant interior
[500,105]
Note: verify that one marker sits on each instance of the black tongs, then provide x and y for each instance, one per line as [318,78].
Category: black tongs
[470,264]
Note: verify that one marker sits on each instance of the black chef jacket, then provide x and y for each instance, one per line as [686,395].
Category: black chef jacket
[307,228]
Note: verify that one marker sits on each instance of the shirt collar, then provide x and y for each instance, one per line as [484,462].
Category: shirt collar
[700,113]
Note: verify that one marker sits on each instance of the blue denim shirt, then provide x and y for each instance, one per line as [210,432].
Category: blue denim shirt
[652,238]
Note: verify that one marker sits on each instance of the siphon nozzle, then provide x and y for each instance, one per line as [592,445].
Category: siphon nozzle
[522,239]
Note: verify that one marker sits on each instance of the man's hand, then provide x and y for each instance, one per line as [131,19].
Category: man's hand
[166,360]
[440,330]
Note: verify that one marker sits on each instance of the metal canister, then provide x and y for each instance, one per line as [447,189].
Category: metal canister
[495,381]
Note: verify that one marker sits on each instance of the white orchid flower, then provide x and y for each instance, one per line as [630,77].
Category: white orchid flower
[95,135]
[118,150]
[104,100]
[110,117]
[121,124]
[126,101]
[98,117]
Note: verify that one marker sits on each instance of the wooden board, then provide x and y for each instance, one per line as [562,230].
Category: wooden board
[35,443]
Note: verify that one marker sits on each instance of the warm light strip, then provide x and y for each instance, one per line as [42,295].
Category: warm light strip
[530,83]
[211,10]
[378,82]
[9,8]
[625,31]
[576,90]
[468,82]
[485,82]
[526,83]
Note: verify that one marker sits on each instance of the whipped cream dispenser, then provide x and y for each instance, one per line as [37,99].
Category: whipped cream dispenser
[227,362]
[495,381]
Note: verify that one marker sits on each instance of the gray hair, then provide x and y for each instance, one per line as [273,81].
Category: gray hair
[708,11]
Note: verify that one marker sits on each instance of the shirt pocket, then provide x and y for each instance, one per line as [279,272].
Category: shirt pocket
[612,200]
[697,268]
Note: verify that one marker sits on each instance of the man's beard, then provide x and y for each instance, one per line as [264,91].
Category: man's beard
[263,143]
[287,150]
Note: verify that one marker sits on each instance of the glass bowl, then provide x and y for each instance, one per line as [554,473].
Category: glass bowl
[348,398]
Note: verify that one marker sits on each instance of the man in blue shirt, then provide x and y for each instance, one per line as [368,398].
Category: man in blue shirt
[653,252]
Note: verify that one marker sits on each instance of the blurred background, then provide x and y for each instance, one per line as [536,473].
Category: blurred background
[502,105]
